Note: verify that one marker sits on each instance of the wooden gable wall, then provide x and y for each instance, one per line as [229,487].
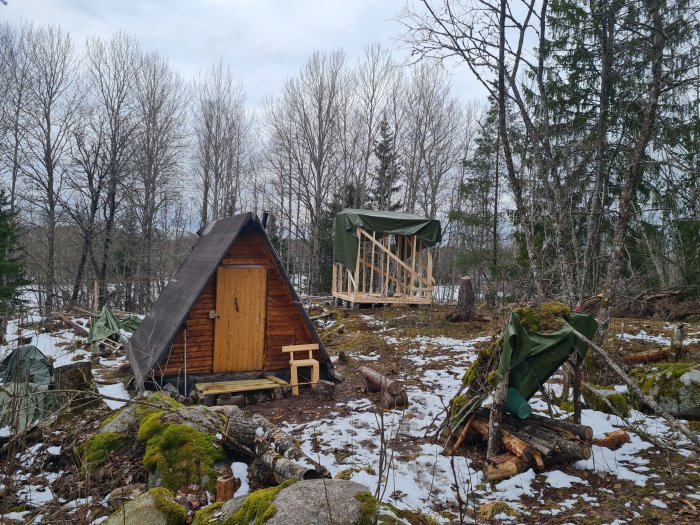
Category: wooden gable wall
[283,325]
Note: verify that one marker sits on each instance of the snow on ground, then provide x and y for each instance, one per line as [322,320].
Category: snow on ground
[423,479]
[116,390]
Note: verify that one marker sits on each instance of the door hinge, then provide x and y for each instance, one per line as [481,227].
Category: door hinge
[213,315]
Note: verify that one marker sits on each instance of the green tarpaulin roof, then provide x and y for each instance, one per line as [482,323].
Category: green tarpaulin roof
[108,326]
[533,358]
[383,223]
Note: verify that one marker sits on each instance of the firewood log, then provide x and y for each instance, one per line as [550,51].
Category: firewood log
[226,487]
[390,401]
[580,431]
[613,440]
[504,466]
[510,442]
[383,382]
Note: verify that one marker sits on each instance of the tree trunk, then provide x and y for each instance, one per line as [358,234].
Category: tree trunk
[465,302]
[499,401]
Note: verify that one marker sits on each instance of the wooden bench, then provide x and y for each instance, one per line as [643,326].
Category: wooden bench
[244,385]
[295,364]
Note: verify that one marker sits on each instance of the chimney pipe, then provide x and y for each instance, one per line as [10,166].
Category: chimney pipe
[265,216]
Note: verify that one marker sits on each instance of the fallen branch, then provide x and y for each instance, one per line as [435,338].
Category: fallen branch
[648,401]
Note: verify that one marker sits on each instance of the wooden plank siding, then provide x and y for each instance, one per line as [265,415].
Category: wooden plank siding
[283,325]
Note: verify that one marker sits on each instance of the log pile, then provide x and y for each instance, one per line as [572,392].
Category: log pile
[393,393]
[535,442]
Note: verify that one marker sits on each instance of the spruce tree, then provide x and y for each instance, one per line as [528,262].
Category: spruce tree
[12,275]
[387,173]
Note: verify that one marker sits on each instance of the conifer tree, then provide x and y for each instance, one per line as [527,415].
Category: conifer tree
[387,173]
[12,274]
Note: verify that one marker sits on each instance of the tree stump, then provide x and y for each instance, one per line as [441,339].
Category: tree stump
[324,389]
[72,381]
[465,302]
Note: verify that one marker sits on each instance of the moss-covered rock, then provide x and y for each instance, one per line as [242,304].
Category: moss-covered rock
[257,507]
[177,454]
[596,397]
[155,507]
[674,386]
[96,450]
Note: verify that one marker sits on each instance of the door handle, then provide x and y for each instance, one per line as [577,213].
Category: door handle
[213,315]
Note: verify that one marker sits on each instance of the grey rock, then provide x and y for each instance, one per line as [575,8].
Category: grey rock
[125,421]
[122,494]
[310,502]
[231,506]
[674,386]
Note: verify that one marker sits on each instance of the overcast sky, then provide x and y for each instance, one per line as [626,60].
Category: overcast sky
[263,41]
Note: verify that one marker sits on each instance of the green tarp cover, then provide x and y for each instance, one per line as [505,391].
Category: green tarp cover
[533,358]
[26,364]
[383,223]
[25,378]
[108,326]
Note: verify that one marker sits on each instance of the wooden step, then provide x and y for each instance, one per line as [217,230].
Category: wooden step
[244,385]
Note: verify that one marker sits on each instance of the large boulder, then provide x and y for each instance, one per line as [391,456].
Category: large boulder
[674,386]
[155,507]
[300,502]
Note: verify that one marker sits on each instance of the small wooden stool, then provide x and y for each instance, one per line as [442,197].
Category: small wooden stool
[295,364]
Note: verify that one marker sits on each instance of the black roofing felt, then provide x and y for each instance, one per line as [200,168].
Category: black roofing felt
[150,345]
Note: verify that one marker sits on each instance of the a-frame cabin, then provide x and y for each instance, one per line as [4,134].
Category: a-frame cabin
[225,315]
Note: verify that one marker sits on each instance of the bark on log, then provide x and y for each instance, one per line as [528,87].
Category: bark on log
[613,440]
[324,389]
[578,364]
[560,443]
[648,356]
[274,448]
[504,466]
[581,431]
[391,402]
[497,409]
[465,302]
[509,441]
[381,381]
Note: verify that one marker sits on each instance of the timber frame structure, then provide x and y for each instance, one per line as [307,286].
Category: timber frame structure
[390,267]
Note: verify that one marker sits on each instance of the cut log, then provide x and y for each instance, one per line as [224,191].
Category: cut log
[272,446]
[226,487]
[465,302]
[497,409]
[390,401]
[381,381]
[324,389]
[509,441]
[504,466]
[581,431]
[648,356]
[613,440]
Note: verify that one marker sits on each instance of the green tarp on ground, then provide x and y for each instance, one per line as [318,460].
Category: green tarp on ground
[533,358]
[108,326]
[25,379]
[383,223]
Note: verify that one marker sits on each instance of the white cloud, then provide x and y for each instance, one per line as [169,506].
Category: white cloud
[263,41]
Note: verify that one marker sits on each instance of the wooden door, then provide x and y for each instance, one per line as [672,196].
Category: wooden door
[239,332]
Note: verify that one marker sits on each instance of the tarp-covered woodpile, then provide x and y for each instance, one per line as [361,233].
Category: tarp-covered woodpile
[226,313]
[383,256]
[536,342]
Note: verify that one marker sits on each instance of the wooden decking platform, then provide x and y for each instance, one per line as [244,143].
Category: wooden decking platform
[244,385]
